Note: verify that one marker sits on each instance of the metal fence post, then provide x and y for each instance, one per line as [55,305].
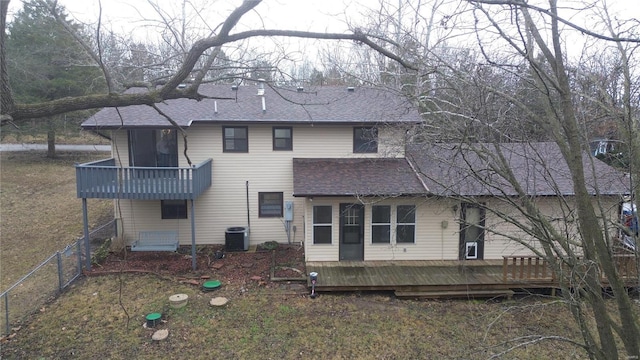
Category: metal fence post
[79,255]
[60,279]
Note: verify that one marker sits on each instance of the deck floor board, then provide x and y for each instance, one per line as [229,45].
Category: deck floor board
[406,275]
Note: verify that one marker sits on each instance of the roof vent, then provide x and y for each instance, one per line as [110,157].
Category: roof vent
[260,87]
[351,89]
[300,89]
[234,87]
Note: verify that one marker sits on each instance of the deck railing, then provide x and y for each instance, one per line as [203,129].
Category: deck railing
[533,269]
[526,269]
[626,266]
[103,179]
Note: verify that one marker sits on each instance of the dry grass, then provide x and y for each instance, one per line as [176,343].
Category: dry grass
[102,317]
[70,136]
[88,322]
[39,210]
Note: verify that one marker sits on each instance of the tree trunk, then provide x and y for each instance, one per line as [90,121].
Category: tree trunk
[51,139]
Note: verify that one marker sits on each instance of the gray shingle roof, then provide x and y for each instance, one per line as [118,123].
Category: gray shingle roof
[326,104]
[454,170]
[354,177]
[539,169]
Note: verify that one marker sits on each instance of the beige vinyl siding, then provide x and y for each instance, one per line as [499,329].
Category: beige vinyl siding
[560,212]
[225,203]
[432,242]
[323,252]
[438,229]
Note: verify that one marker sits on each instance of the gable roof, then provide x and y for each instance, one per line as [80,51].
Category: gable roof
[538,167]
[323,104]
[354,177]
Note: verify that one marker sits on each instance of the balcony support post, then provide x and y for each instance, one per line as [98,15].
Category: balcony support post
[85,229]
[193,235]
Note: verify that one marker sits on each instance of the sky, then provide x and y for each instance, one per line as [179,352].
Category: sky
[312,15]
[128,16]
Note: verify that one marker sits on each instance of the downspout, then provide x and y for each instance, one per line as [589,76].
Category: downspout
[248,217]
[193,235]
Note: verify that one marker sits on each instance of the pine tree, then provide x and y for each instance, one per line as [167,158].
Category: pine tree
[44,60]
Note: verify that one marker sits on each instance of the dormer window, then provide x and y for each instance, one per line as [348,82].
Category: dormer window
[365,140]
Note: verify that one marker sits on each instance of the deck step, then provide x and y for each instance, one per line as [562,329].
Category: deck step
[455,294]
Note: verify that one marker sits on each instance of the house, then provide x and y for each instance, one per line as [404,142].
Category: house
[235,169]
[430,204]
[330,167]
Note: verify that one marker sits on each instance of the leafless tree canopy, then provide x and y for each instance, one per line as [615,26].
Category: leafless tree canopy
[200,52]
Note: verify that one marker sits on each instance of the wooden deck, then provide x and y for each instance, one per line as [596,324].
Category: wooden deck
[478,278]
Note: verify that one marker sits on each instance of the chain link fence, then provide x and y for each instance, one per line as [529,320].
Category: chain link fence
[47,280]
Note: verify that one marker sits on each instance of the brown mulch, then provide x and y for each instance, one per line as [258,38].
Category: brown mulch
[253,266]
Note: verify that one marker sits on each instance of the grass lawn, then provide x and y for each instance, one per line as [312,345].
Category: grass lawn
[39,209]
[102,317]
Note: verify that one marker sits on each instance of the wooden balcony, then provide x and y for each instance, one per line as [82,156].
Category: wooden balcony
[104,180]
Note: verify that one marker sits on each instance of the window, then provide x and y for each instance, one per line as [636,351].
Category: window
[174,209]
[381,224]
[322,216]
[153,147]
[235,139]
[406,224]
[282,138]
[270,204]
[365,140]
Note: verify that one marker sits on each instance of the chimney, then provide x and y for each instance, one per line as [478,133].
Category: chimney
[351,89]
[234,87]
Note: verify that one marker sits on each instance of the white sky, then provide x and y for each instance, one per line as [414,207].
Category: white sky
[127,16]
[312,15]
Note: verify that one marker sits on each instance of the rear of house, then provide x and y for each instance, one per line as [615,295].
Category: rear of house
[329,167]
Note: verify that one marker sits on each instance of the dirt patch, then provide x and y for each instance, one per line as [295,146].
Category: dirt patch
[257,266]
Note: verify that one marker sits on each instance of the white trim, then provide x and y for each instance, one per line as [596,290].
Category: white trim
[468,246]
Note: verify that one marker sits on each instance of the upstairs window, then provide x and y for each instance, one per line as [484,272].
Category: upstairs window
[365,140]
[270,204]
[235,139]
[282,138]
[406,224]
[380,224]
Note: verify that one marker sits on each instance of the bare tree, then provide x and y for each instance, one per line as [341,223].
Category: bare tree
[525,43]
[222,35]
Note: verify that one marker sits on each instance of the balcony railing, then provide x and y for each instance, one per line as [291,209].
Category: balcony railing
[104,180]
